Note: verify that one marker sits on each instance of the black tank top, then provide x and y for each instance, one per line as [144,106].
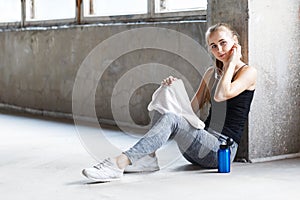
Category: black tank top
[229,117]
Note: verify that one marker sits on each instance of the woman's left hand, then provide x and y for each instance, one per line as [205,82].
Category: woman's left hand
[168,81]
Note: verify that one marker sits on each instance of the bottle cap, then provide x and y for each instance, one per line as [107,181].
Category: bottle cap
[226,144]
[223,145]
[229,141]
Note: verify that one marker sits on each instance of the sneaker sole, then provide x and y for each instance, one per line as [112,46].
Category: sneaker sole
[142,170]
[100,180]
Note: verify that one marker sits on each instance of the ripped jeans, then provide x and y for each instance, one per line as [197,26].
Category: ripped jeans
[198,146]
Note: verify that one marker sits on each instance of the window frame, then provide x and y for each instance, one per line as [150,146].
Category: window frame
[150,16]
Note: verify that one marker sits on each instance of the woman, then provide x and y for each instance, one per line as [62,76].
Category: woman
[232,83]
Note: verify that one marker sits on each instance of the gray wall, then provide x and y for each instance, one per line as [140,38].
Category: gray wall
[38,67]
[235,13]
[274,49]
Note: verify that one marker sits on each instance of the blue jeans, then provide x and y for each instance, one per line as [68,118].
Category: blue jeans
[196,145]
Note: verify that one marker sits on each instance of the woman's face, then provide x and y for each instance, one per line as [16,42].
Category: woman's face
[220,43]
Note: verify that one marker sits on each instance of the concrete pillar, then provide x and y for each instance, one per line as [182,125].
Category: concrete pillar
[235,13]
[270,35]
[274,49]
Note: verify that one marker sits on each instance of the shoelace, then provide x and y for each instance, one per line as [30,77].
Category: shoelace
[106,162]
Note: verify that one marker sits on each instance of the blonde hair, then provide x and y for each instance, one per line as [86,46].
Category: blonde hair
[213,29]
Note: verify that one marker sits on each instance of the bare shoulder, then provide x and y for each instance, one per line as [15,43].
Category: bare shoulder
[248,75]
[250,68]
[249,71]
[210,69]
[208,73]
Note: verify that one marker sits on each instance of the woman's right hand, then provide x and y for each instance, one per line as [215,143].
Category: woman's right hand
[169,80]
[236,54]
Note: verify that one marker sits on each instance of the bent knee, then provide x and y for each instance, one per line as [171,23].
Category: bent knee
[171,116]
[171,119]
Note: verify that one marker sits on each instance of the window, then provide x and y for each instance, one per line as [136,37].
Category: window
[10,11]
[179,5]
[142,10]
[48,10]
[41,12]
[114,7]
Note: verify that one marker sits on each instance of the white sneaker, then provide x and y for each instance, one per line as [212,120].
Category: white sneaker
[104,171]
[145,164]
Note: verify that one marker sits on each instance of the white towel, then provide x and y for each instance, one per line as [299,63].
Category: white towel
[174,99]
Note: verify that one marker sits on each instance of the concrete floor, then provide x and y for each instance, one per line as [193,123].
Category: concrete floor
[42,159]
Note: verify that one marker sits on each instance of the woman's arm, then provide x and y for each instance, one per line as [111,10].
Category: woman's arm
[245,79]
[202,93]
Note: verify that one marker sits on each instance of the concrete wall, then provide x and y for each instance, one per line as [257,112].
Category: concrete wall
[235,13]
[274,49]
[38,67]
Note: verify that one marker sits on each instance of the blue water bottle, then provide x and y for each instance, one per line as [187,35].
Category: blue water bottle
[224,156]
